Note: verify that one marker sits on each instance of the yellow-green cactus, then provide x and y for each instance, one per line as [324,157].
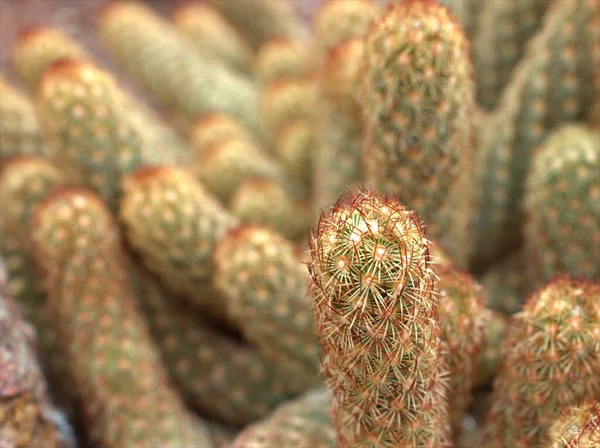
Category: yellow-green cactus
[282,58]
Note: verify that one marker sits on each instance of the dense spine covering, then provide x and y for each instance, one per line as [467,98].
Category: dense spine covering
[506,284]
[418,98]
[282,58]
[505,29]
[261,20]
[112,362]
[213,36]
[562,200]
[462,319]
[167,64]
[213,128]
[302,422]
[28,416]
[19,128]
[576,427]
[225,379]
[551,85]
[37,48]
[264,284]
[377,320]
[174,224]
[552,355]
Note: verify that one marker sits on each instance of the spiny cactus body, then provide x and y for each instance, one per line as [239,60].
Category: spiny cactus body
[492,352]
[112,362]
[418,97]
[377,321]
[213,128]
[19,128]
[263,282]
[174,224]
[301,422]
[213,36]
[562,233]
[551,358]
[282,58]
[167,64]
[219,376]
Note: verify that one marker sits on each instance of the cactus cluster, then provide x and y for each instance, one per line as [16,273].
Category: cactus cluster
[233,224]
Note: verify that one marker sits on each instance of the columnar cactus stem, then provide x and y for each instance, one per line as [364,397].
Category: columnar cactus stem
[562,201]
[506,283]
[261,20]
[552,356]
[418,99]
[167,64]
[112,362]
[264,284]
[576,427]
[283,58]
[377,320]
[19,128]
[221,377]
[37,48]
[213,36]
[302,422]
[174,224]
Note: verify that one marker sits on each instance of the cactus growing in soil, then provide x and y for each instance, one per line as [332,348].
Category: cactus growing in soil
[112,362]
[301,422]
[174,224]
[563,206]
[576,427]
[377,320]
[168,65]
[213,36]
[258,273]
[418,96]
[19,128]
[37,48]
[551,357]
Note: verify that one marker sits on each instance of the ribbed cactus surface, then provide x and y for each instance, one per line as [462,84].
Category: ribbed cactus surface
[377,320]
[576,427]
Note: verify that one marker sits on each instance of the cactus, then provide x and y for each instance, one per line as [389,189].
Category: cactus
[504,30]
[217,375]
[282,58]
[263,282]
[492,352]
[563,206]
[223,166]
[174,224]
[261,20]
[37,48]
[550,354]
[339,20]
[462,320]
[576,427]
[19,128]
[550,86]
[168,65]
[111,359]
[213,36]
[213,128]
[302,422]
[418,97]
[377,321]
[24,183]
[506,284]
[28,416]
[267,204]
